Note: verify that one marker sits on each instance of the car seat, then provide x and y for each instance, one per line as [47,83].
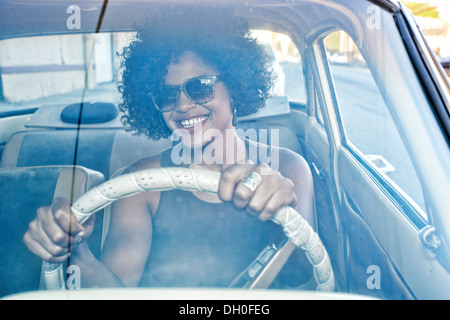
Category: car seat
[24,190]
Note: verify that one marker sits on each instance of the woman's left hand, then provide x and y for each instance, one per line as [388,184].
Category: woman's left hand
[257,189]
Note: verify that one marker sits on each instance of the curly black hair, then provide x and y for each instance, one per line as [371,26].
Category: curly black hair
[217,36]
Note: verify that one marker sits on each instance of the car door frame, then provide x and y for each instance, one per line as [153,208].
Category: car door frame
[400,266]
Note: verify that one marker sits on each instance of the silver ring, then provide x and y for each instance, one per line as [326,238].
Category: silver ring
[252,181]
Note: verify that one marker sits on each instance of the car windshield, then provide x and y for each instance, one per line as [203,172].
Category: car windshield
[296,146]
[44,61]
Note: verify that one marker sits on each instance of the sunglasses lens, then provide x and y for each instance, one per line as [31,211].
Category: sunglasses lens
[167,99]
[200,90]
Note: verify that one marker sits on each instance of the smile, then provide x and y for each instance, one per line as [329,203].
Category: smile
[188,123]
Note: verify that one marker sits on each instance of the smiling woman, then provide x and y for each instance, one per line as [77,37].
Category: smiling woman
[198,116]
[190,72]
[221,40]
[355,139]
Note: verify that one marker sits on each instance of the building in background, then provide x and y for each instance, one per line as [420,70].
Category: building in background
[59,65]
[433,17]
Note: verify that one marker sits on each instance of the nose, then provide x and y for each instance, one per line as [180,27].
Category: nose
[184,103]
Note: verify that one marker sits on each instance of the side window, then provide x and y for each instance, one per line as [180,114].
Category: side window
[286,63]
[369,128]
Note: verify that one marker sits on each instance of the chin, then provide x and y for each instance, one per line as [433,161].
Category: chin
[191,139]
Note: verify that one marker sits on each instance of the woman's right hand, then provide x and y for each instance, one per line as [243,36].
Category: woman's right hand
[54,233]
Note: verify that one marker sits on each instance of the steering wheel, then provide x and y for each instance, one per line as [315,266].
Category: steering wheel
[297,230]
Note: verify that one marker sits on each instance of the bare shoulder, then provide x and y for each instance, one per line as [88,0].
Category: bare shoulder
[292,165]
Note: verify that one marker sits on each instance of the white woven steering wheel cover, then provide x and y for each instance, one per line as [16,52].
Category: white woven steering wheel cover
[296,228]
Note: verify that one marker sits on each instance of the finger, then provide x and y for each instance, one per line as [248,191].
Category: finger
[64,217]
[54,240]
[229,180]
[262,195]
[254,190]
[36,248]
[49,235]
[242,196]
[278,200]
[88,226]
[49,232]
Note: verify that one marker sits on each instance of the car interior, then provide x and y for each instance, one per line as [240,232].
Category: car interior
[66,149]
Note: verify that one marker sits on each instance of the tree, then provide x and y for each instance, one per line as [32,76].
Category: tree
[422,9]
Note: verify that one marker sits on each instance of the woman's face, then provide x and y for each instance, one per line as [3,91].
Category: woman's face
[195,123]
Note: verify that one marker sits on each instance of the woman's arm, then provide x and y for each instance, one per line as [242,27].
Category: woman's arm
[298,269]
[128,242]
[295,168]
[54,235]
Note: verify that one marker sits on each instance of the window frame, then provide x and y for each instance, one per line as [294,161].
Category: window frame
[402,201]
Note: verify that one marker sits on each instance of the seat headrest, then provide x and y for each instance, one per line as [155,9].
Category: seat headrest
[88,113]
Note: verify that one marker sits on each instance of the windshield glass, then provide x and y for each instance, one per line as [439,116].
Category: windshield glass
[283,146]
[66,68]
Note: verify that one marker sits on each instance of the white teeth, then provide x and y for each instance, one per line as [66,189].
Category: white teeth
[192,122]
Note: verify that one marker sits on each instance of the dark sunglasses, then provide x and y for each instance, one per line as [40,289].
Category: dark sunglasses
[199,90]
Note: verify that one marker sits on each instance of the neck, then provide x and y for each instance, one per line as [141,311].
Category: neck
[223,150]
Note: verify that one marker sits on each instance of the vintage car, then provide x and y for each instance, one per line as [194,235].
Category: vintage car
[365,102]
